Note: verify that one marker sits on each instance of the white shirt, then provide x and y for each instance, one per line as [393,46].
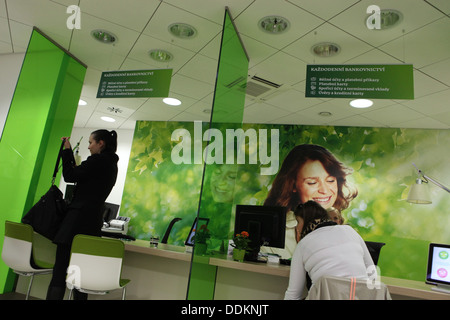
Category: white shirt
[333,251]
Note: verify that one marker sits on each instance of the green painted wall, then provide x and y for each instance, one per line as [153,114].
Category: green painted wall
[42,110]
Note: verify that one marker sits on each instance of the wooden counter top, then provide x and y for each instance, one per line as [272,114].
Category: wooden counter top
[163,250]
[413,289]
[401,287]
[179,253]
[273,269]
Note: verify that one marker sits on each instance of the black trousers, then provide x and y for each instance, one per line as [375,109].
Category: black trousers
[57,285]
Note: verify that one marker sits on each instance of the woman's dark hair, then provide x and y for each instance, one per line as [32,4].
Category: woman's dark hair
[314,216]
[282,191]
[311,211]
[109,137]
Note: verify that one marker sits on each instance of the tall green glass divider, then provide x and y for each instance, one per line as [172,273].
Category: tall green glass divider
[42,110]
[227,113]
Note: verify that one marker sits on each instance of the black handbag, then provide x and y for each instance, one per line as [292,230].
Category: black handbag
[47,214]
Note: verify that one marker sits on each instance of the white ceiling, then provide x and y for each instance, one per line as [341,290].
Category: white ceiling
[422,39]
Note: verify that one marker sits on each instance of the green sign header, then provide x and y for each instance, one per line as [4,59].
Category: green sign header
[360,81]
[135,84]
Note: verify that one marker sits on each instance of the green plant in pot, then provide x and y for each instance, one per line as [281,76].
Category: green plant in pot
[241,245]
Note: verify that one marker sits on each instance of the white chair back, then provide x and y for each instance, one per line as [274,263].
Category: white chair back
[95,264]
[16,254]
[94,273]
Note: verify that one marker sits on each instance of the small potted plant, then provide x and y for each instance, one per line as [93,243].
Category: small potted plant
[241,245]
[201,236]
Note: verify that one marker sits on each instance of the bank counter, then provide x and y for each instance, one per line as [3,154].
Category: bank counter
[162,273]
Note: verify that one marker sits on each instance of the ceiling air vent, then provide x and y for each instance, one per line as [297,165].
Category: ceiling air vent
[260,89]
[255,87]
[266,82]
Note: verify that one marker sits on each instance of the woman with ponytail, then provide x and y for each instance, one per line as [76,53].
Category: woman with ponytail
[94,179]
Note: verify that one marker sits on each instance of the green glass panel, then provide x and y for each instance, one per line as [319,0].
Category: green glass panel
[42,110]
[229,95]
[227,113]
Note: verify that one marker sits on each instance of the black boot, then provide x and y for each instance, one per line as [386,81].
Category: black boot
[55,293]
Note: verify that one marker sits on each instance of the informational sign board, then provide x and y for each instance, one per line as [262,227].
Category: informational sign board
[360,81]
[135,84]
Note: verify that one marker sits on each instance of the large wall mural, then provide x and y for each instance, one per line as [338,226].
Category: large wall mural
[372,167]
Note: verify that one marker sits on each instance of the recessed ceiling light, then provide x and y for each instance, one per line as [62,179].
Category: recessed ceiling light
[108,119]
[182,30]
[172,101]
[274,24]
[389,18]
[104,36]
[326,49]
[160,55]
[82,103]
[361,103]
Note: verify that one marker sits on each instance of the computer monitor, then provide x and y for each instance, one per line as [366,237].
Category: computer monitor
[266,226]
[438,269]
[110,211]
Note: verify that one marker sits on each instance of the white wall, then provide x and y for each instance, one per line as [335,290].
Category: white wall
[10,65]
[124,141]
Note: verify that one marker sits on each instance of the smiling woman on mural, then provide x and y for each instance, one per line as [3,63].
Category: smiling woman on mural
[315,183]
[223,179]
[309,172]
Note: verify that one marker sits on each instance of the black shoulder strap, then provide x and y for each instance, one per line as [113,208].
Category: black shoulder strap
[55,172]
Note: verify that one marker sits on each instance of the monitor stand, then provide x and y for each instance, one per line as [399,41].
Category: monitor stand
[253,255]
[442,288]
[254,229]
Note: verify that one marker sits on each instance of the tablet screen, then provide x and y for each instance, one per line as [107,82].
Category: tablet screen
[438,271]
[191,237]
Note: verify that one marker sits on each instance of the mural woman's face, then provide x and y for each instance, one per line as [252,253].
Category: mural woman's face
[222,183]
[314,183]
